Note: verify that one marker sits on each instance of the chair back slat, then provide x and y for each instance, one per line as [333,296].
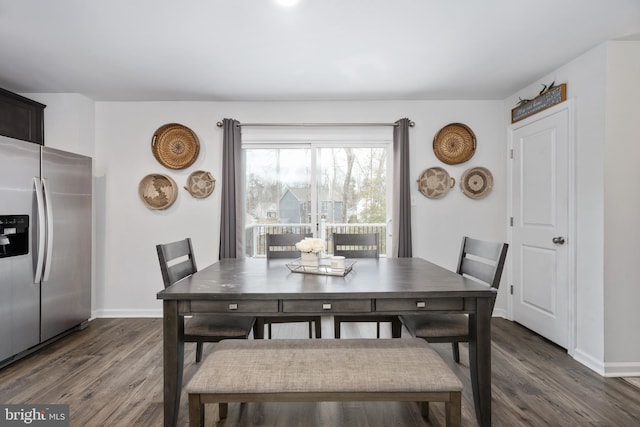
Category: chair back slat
[478,270]
[482,260]
[483,248]
[284,245]
[176,261]
[361,245]
[180,271]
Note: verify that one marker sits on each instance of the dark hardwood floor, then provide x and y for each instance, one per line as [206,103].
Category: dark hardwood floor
[111,375]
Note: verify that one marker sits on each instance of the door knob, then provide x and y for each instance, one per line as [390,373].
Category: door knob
[558,240]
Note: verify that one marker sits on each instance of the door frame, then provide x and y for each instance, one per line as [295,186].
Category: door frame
[571,238]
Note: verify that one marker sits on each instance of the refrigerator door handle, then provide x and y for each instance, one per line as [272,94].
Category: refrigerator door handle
[41,230]
[49,214]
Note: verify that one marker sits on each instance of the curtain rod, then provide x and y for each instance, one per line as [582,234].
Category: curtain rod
[411,124]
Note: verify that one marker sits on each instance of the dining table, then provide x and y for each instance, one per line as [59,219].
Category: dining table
[383,286]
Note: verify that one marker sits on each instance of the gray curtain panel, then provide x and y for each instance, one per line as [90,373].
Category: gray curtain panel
[231,218]
[401,215]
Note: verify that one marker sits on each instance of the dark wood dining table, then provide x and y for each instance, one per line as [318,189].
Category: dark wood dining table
[256,287]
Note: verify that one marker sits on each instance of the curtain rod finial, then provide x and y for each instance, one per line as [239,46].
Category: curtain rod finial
[219,124]
[412,124]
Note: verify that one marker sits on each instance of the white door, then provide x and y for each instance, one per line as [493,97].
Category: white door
[539,235]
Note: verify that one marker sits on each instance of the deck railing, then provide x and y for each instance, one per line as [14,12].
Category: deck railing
[255,237]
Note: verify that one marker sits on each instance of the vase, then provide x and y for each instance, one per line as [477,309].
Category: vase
[309,259]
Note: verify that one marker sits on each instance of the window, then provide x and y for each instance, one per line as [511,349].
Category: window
[316,187]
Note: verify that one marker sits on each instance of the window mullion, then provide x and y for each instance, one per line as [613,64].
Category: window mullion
[318,232]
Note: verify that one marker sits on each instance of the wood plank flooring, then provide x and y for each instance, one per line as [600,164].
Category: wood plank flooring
[111,375]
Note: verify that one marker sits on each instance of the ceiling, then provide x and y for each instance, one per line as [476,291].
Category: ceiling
[254,50]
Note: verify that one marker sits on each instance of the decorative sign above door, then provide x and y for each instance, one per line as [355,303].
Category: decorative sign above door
[549,97]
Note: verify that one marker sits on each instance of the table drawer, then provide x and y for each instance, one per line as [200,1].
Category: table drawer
[432,304]
[234,306]
[320,306]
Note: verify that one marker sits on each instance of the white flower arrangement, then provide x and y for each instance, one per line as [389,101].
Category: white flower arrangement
[311,245]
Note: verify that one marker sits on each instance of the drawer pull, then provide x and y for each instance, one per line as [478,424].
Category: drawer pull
[421,304]
[326,306]
[233,306]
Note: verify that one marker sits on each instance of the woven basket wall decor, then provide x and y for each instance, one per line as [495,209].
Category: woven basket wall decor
[157,191]
[435,183]
[477,182]
[455,143]
[175,146]
[200,184]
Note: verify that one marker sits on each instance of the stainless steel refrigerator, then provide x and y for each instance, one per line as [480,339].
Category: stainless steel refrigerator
[45,245]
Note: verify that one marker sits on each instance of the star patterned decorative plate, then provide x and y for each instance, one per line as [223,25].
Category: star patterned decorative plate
[200,184]
[435,183]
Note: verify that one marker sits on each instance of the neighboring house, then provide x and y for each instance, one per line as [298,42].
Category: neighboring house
[295,206]
[265,213]
[292,210]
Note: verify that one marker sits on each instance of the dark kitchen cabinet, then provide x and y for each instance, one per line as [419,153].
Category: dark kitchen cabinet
[21,118]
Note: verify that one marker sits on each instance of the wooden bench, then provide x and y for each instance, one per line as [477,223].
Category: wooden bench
[323,370]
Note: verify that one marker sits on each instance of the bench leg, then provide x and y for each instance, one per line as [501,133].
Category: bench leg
[196,411]
[453,410]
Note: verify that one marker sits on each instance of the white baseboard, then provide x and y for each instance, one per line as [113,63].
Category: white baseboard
[588,361]
[622,369]
[607,369]
[499,312]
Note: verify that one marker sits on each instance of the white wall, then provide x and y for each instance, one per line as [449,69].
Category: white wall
[622,209]
[68,121]
[128,273]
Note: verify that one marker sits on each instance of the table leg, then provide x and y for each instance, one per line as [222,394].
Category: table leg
[396,328]
[258,328]
[480,359]
[173,360]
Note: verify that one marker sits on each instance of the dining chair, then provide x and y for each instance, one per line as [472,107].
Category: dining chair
[361,245]
[177,262]
[284,246]
[480,260]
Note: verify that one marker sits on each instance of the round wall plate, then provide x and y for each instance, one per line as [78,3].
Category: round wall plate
[477,182]
[455,143]
[157,191]
[175,146]
[435,183]
[200,184]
